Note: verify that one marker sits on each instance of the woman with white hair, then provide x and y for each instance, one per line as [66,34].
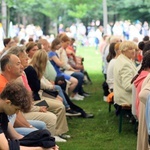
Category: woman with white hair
[124,71]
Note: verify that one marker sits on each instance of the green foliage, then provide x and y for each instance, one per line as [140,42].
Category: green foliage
[20,4]
[68,11]
[82,9]
[128,10]
[79,11]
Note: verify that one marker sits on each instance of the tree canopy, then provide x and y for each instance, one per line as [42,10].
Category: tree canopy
[68,11]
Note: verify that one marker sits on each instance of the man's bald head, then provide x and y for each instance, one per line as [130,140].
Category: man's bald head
[11,65]
[45,44]
[4,61]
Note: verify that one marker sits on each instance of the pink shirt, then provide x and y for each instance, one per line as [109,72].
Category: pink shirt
[138,84]
[25,81]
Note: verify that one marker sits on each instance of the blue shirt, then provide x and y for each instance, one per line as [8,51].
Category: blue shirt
[56,67]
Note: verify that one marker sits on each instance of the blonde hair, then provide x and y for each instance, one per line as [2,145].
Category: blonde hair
[114,39]
[127,45]
[39,62]
[117,46]
[42,41]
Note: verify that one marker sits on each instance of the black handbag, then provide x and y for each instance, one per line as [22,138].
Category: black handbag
[42,103]
[53,93]
[60,80]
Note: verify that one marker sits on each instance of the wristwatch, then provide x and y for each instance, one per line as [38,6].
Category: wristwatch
[30,126]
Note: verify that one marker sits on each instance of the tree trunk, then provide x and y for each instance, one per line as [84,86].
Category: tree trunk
[24,20]
[4,15]
[46,25]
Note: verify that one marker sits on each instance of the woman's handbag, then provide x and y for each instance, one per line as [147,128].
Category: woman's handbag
[53,93]
[60,80]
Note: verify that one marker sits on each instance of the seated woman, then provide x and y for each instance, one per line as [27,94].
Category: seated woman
[76,62]
[50,74]
[73,110]
[114,52]
[31,48]
[53,57]
[124,71]
[65,40]
[143,137]
[48,86]
[143,82]
[34,73]
[138,79]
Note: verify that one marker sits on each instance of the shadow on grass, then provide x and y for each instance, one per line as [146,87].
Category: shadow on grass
[101,132]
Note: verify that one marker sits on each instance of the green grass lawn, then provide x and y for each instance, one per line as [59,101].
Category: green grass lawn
[101,132]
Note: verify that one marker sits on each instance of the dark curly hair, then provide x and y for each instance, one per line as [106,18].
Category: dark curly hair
[146,38]
[18,95]
[144,46]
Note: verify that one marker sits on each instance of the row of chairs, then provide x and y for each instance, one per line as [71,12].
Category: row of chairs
[123,110]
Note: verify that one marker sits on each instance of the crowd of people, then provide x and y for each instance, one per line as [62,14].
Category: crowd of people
[48,74]
[52,76]
[126,67]
[90,35]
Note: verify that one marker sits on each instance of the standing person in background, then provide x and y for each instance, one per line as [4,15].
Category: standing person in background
[103,43]
[73,30]
[81,33]
[61,28]
[98,37]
